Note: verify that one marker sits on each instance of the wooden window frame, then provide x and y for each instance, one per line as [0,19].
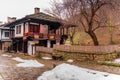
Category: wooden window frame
[18,29]
[34,28]
[7,35]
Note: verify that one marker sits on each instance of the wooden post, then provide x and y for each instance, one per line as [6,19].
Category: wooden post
[23,46]
[67,30]
[63,31]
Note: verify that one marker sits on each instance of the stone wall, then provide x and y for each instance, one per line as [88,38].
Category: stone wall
[86,56]
[44,49]
[83,52]
[5,46]
[87,49]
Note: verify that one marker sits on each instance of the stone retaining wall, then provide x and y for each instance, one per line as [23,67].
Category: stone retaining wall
[87,49]
[44,49]
[82,52]
[87,56]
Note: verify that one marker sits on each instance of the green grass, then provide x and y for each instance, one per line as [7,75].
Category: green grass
[110,64]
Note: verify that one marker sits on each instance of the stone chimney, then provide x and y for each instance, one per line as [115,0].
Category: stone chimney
[11,19]
[36,10]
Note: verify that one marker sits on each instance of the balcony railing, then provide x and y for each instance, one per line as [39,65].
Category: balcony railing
[44,36]
[52,36]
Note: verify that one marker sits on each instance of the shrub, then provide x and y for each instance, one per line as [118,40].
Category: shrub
[118,54]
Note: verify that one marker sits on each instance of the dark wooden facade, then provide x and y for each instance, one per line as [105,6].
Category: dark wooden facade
[31,27]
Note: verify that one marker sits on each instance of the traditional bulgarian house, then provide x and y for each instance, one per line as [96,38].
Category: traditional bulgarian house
[38,29]
[5,41]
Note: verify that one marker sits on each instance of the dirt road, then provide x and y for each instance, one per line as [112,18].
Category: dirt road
[9,71]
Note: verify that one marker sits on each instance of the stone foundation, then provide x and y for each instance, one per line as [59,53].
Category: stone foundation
[97,53]
[43,54]
[87,56]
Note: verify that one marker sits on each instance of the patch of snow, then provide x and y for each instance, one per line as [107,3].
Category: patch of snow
[114,61]
[27,63]
[30,63]
[46,58]
[19,59]
[70,60]
[71,72]
[117,60]
[5,55]
[1,65]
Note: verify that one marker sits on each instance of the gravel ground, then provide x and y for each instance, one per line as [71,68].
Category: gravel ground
[8,70]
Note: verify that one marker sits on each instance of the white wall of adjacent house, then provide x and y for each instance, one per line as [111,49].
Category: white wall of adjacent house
[5,34]
[48,43]
[31,48]
[19,30]
[26,27]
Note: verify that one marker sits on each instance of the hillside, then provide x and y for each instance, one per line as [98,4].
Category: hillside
[103,36]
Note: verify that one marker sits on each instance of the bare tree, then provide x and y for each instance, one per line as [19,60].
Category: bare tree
[66,11]
[92,14]
[56,9]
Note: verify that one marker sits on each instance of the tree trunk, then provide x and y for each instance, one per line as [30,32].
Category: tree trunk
[71,39]
[94,38]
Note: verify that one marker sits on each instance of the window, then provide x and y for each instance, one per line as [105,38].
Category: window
[34,28]
[6,34]
[44,29]
[18,29]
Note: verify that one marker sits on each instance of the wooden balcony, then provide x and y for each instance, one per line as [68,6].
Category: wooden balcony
[29,34]
[43,36]
[52,36]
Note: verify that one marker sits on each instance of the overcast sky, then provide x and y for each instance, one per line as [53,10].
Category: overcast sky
[20,8]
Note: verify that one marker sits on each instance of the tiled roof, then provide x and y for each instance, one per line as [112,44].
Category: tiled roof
[3,26]
[42,16]
[39,16]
